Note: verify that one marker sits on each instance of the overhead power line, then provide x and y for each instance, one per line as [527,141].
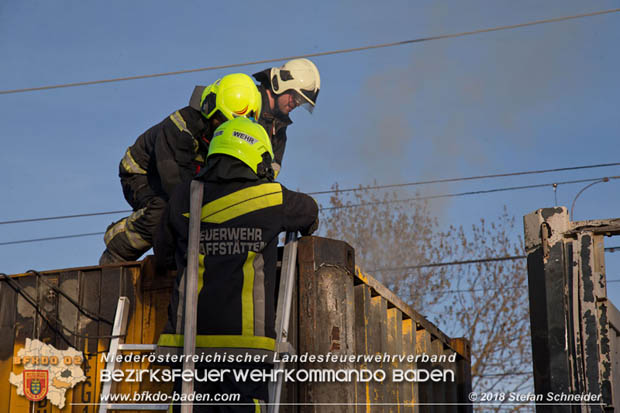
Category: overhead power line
[91,214]
[434,181]
[468,178]
[477,290]
[508,373]
[487,191]
[384,269]
[326,53]
[444,264]
[51,238]
[322,209]
[463,262]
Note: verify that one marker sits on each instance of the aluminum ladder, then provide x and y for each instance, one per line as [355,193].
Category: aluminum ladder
[283,315]
[117,344]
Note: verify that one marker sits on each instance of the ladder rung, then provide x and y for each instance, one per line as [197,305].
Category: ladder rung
[138,347]
[120,406]
[285,348]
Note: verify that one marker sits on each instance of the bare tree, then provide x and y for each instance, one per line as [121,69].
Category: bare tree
[485,302]
[386,235]
[490,306]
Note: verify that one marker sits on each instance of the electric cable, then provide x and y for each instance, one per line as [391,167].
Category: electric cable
[470,178]
[326,53]
[471,290]
[87,313]
[460,262]
[450,263]
[20,221]
[477,290]
[34,304]
[572,207]
[509,373]
[23,241]
[29,300]
[90,214]
[606,179]
[488,191]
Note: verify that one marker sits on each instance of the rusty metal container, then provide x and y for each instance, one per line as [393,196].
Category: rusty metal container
[337,310]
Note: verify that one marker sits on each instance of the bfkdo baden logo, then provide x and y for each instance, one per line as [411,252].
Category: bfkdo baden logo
[36,384]
[48,373]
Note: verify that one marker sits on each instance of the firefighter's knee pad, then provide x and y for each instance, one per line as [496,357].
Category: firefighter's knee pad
[126,232]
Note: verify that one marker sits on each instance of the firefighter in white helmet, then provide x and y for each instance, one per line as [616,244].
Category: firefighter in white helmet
[284,88]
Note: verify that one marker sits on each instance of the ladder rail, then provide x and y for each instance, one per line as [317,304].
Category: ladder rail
[119,329]
[191,287]
[283,314]
[117,344]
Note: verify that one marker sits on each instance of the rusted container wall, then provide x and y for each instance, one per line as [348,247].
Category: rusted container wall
[343,311]
[95,289]
[337,310]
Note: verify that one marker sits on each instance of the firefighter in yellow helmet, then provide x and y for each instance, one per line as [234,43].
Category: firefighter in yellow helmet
[296,83]
[167,154]
[243,212]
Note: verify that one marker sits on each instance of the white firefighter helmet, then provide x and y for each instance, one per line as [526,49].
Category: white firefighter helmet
[300,76]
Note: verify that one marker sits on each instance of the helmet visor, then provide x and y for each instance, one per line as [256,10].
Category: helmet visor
[306,99]
[310,97]
[252,115]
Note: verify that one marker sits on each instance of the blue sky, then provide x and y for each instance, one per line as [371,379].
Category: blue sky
[524,99]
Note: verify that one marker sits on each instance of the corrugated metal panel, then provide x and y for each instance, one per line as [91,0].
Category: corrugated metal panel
[337,309]
[96,289]
[344,311]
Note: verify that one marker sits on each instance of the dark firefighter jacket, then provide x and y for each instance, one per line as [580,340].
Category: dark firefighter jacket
[242,216]
[275,125]
[169,152]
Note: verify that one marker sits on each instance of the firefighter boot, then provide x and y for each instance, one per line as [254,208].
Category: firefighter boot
[108,257]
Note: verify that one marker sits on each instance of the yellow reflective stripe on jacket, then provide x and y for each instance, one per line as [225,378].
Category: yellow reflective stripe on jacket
[176,340]
[242,202]
[130,164]
[247,296]
[201,272]
[180,122]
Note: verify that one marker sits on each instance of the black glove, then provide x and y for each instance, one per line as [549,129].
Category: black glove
[311,228]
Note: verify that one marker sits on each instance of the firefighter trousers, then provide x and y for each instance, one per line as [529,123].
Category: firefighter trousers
[130,237]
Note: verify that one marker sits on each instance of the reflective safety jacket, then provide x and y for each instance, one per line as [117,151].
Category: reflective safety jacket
[241,220]
[170,152]
[275,125]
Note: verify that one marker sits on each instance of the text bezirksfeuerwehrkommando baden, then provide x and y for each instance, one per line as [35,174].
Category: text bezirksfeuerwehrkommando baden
[273,375]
